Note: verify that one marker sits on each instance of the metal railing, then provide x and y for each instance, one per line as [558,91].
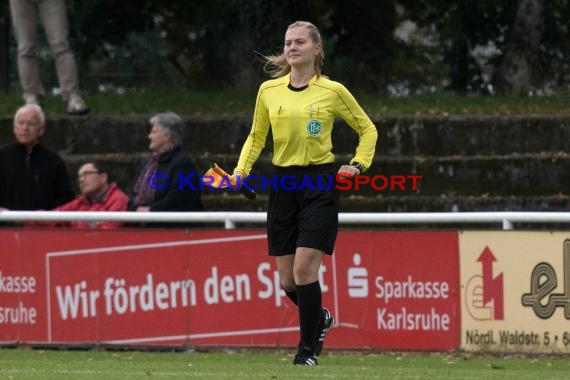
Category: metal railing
[505,219]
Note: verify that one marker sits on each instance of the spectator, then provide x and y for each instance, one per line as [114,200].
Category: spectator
[26,15]
[165,191]
[32,177]
[98,193]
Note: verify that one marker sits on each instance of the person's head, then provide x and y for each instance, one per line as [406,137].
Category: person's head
[29,125]
[303,47]
[93,179]
[166,131]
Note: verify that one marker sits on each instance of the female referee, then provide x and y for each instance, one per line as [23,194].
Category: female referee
[300,106]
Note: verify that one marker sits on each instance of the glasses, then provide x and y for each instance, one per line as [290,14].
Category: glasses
[86,174]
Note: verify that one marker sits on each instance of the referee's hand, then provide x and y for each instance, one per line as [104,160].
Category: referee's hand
[348,171]
[236,178]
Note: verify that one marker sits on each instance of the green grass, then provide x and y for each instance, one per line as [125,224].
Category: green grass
[238,365]
[225,102]
[450,104]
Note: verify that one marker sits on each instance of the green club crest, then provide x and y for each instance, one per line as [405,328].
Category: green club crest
[314,127]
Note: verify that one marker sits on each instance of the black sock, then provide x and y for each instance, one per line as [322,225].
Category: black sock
[309,302]
[292,296]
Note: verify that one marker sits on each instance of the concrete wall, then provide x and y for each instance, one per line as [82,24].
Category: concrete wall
[475,163]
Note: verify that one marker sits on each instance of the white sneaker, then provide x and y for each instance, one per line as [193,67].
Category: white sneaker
[33,99]
[76,105]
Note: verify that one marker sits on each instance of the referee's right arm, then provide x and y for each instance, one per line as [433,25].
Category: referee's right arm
[255,141]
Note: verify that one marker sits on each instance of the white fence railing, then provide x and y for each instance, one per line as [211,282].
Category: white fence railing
[505,219]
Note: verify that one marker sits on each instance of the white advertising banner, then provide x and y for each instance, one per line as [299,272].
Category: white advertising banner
[515,291]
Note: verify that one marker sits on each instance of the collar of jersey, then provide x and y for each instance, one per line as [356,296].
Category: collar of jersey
[311,81]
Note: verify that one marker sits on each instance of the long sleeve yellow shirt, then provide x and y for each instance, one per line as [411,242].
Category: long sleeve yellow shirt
[301,123]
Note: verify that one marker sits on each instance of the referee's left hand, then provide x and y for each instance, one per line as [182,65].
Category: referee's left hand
[348,171]
[236,178]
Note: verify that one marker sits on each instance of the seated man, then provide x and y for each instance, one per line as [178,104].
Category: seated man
[97,194]
[32,177]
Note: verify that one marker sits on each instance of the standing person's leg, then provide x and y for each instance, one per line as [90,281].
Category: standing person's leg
[282,235]
[25,20]
[297,221]
[54,19]
[318,227]
[306,273]
[286,277]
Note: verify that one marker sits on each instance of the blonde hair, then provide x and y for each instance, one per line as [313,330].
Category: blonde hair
[277,66]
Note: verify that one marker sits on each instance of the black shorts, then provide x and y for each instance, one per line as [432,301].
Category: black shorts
[304,212]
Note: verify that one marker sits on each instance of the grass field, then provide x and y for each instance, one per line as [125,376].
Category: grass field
[187,102]
[237,365]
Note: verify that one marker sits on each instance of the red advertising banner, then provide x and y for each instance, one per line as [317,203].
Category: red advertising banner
[387,290]
[397,290]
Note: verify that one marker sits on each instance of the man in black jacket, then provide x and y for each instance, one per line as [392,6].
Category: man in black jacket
[169,180]
[32,177]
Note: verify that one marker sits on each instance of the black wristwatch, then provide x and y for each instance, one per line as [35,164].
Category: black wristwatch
[359,166]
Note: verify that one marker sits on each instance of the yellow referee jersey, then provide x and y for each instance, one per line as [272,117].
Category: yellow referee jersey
[301,123]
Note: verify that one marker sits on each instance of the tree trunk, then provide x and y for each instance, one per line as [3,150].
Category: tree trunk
[518,70]
[459,54]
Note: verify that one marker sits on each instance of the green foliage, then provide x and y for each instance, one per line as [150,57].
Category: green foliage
[554,58]
[240,102]
[363,43]
[217,43]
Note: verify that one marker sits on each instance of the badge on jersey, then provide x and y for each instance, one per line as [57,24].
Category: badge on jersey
[314,127]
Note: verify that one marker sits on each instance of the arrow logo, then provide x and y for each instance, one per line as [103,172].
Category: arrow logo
[492,287]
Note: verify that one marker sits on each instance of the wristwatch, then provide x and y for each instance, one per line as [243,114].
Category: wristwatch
[359,166]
